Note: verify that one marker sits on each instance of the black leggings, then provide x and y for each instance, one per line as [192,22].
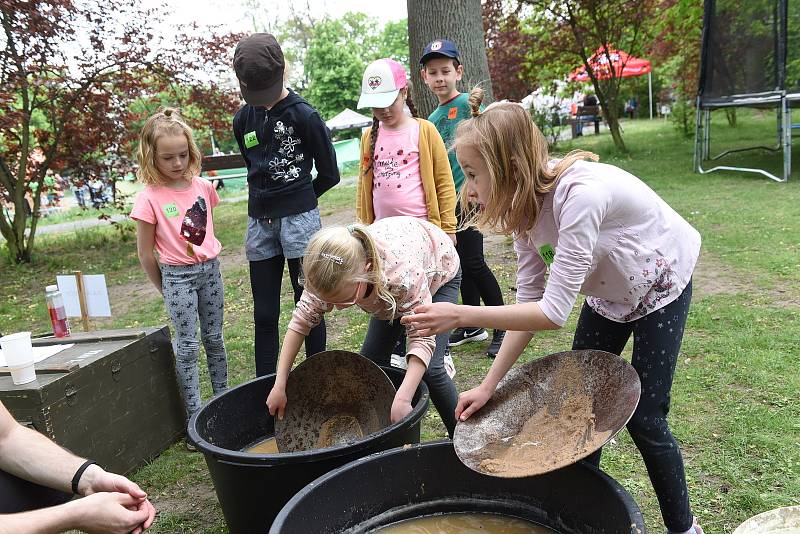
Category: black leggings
[266,277]
[656,344]
[477,282]
[19,495]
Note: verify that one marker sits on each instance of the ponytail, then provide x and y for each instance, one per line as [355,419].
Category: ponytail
[373,138]
[475,99]
[410,103]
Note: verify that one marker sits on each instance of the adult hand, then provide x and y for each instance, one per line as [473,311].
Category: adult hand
[95,480]
[453,239]
[471,401]
[400,409]
[435,318]
[112,513]
[276,402]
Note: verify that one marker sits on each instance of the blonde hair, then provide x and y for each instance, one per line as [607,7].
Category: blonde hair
[338,254]
[517,156]
[168,121]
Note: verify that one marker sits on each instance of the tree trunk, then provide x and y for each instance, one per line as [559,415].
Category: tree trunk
[607,92]
[459,21]
[613,127]
[730,114]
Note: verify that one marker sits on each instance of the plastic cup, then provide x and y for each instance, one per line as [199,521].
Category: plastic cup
[18,352]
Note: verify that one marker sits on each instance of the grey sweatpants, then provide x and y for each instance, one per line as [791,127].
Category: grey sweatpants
[192,292]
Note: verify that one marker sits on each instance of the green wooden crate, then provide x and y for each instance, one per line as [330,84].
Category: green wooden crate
[112,397]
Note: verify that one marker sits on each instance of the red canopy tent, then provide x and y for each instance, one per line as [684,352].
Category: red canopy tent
[623,64]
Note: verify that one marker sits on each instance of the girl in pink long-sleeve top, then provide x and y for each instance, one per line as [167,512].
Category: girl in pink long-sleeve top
[387,269]
[597,230]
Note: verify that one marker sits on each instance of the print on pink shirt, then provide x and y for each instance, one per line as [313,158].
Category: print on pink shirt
[388,168]
[193,228]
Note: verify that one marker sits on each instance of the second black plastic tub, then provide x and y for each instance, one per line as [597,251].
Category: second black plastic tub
[422,480]
[252,488]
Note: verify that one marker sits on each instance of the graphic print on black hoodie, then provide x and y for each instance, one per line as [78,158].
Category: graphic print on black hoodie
[193,228]
[280,146]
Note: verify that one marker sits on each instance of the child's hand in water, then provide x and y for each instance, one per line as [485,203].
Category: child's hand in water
[400,409]
[431,319]
[276,402]
[471,401]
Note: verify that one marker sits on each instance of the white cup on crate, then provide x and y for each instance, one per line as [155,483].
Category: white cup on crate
[18,353]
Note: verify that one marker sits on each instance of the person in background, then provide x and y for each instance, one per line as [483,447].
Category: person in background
[595,229]
[173,215]
[630,107]
[588,101]
[38,480]
[441,69]
[281,138]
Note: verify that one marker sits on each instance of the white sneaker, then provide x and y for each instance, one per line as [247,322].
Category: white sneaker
[449,364]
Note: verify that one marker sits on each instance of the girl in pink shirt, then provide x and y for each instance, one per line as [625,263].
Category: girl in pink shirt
[597,230]
[173,216]
[387,269]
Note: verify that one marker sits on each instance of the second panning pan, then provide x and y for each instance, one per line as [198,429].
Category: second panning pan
[549,413]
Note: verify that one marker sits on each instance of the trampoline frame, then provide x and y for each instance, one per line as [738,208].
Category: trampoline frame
[779,99]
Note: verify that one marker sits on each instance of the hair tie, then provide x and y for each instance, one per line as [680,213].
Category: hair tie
[351,228]
[338,260]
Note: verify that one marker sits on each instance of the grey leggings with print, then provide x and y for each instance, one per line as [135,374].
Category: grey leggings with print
[192,292]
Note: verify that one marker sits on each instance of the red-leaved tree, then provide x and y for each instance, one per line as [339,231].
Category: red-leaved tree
[69,74]
[506,43]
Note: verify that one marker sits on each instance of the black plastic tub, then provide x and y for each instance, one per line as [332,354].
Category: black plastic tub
[252,488]
[428,479]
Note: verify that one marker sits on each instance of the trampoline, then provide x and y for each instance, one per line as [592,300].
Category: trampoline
[749,58]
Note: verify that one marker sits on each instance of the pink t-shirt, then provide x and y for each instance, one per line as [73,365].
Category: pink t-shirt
[397,184]
[184,226]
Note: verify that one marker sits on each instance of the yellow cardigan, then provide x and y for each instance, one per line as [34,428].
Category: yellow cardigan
[437,179]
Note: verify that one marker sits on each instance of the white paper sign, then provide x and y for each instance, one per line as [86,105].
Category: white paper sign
[96,295]
[40,353]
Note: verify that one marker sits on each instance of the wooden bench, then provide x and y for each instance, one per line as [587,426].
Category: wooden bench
[223,162]
[586,115]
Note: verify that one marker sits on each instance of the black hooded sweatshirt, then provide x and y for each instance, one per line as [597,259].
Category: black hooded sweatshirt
[280,146]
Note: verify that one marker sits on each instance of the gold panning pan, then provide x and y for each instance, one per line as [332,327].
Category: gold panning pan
[334,398]
[549,413]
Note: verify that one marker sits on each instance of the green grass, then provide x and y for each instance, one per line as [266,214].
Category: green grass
[735,408]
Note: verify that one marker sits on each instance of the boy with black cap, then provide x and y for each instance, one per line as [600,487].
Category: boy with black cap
[280,137]
[441,70]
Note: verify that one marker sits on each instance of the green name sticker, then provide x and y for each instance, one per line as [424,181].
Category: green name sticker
[250,139]
[171,210]
[547,252]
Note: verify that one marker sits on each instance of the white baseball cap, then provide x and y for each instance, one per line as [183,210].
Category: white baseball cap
[382,81]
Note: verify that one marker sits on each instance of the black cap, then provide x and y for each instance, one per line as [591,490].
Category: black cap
[439,48]
[259,65]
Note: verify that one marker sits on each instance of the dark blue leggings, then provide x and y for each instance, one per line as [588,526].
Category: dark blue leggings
[656,344]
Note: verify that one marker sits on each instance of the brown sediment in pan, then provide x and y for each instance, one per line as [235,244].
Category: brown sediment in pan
[339,429]
[549,413]
[546,438]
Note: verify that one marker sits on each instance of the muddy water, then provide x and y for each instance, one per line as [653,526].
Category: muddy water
[268,446]
[465,524]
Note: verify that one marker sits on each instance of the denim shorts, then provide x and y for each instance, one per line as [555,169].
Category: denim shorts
[287,236]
